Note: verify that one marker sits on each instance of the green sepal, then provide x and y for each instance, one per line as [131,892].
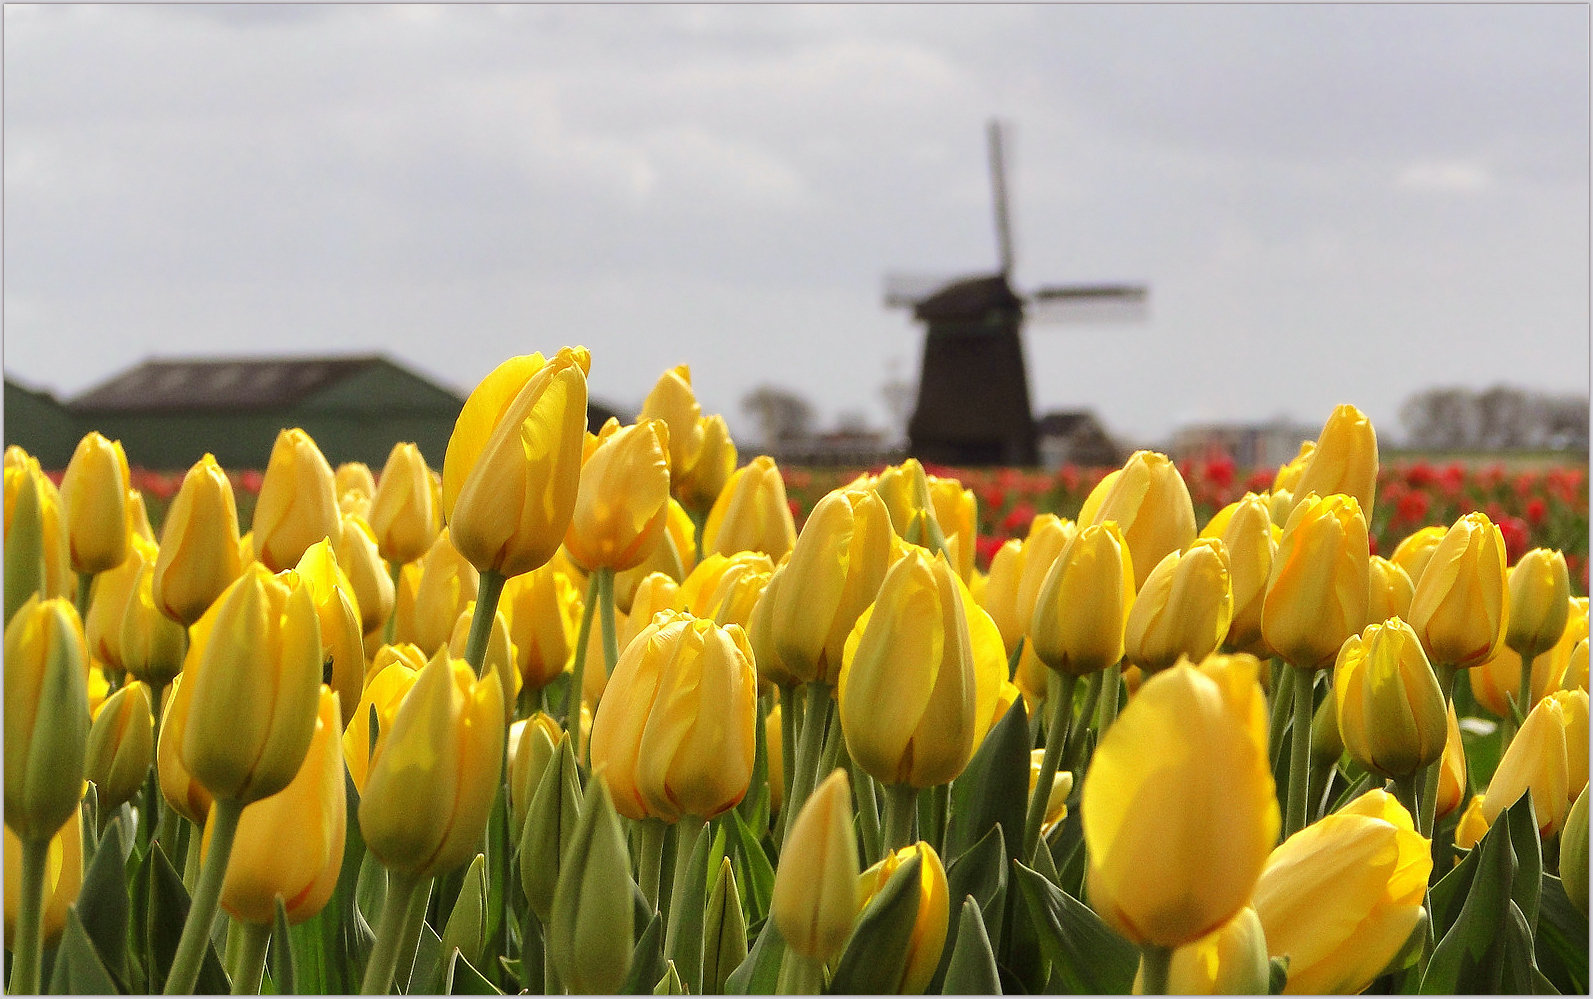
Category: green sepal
[1277,975]
[1086,957]
[971,968]
[551,818]
[647,960]
[591,932]
[724,931]
[283,974]
[876,955]
[467,923]
[464,980]
[77,969]
[759,974]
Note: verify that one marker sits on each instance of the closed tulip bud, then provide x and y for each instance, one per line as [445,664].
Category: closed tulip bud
[904,489]
[543,609]
[1547,758]
[1562,657]
[675,555]
[1317,595]
[199,556]
[138,516]
[102,624]
[699,485]
[928,936]
[514,462]
[1389,590]
[1151,504]
[46,717]
[1452,772]
[957,513]
[405,516]
[297,505]
[815,898]
[676,727]
[63,879]
[1084,602]
[551,816]
[751,513]
[354,477]
[623,501]
[446,584]
[999,596]
[290,845]
[358,557]
[1539,589]
[1390,708]
[910,649]
[1178,805]
[152,645]
[1048,535]
[736,592]
[432,780]
[1184,609]
[1344,459]
[1473,824]
[1460,605]
[342,631]
[776,757]
[1056,802]
[989,664]
[673,401]
[121,746]
[1286,481]
[655,595]
[500,656]
[1576,670]
[532,743]
[1414,552]
[701,594]
[1251,538]
[1230,960]
[1343,895]
[1327,742]
[38,560]
[384,692]
[591,929]
[1573,854]
[724,931]
[186,796]
[94,497]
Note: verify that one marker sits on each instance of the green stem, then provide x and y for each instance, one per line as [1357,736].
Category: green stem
[85,584]
[550,975]
[651,833]
[867,811]
[389,927]
[196,838]
[250,958]
[1075,745]
[1405,793]
[800,976]
[901,805]
[409,938]
[1282,701]
[699,521]
[683,943]
[572,703]
[811,744]
[1523,703]
[395,569]
[1429,798]
[1055,740]
[1300,756]
[488,589]
[1111,690]
[207,895]
[26,970]
[940,815]
[605,604]
[1154,964]
[788,738]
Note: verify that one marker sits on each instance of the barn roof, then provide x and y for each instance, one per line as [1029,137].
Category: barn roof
[223,383]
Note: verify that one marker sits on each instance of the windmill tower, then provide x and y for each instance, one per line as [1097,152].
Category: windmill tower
[973,391]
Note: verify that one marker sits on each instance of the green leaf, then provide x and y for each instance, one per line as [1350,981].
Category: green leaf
[466,930]
[669,984]
[307,941]
[283,974]
[972,966]
[1527,884]
[1561,942]
[103,905]
[1518,970]
[684,939]
[980,872]
[1446,898]
[647,960]
[429,974]
[370,891]
[465,980]
[876,956]
[1085,955]
[754,806]
[1469,956]
[168,911]
[1277,975]
[993,790]
[724,931]
[497,872]
[759,974]
[78,969]
[758,873]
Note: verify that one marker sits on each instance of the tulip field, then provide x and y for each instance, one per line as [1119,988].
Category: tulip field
[629,712]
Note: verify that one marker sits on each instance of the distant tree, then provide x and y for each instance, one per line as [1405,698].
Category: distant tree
[1498,418]
[783,416]
[1439,418]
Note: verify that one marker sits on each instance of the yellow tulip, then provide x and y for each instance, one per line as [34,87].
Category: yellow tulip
[151,645]
[1473,824]
[654,595]
[359,558]
[1184,608]
[1551,671]
[1390,709]
[1460,605]
[1539,590]
[1342,896]
[102,624]
[500,657]
[999,597]
[63,879]
[46,716]
[354,477]
[290,845]
[433,777]
[252,676]
[1150,502]
[735,592]
[1230,960]
[94,498]
[1318,593]
[1452,772]
[957,513]
[1280,499]
[699,485]
[1056,802]
[675,730]
[928,936]
[514,462]
[1576,669]
[38,560]
[1084,601]
[297,505]
[1547,758]
[1414,552]
[623,503]
[446,583]
[989,665]
[1389,590]
[405,516]
[910,650]
[673,401]
[1344,459]
[1178,806]
[187,796]
[121,746]
[342,632]
[533,742]
[1246,529]
[751,513]
[675,555]
[815,886]
[1573,854]
[543,609]
[394,673]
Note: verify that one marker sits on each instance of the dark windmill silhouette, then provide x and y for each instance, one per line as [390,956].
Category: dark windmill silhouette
[973,391]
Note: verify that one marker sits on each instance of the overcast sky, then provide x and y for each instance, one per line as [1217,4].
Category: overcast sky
[1329,203]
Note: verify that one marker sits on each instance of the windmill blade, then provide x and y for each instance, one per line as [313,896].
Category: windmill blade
[1090,303]
[998,185]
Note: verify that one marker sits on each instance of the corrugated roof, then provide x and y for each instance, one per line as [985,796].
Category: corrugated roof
[231,383]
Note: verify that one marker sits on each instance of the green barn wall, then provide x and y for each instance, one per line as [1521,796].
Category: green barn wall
[40,425]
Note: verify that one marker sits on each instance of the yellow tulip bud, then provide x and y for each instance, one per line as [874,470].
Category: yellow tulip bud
[1251,538]
[674,731]
[342,632]
[199,544]
[928,935]
[121,746]
[46,716]
[396,669]
[1056,802]
[735,593]
[297,505]
[433,777]
[38,560]
[532,743]
[1179,808]
[989,664]
[751,513]
[354,477]
[675,555]
[1184,608]
[1289,472]
[1460,605]
[1389,590]
[776,757]
[138,516]
[1573,854]
[699,485]
[1547,758]
[405,516]
[1414,552]
[94,497]
[1390,708]
[1230,960]
[253,674]
[654,595]
[999,597]
[63,879]
[358,557]
[1539,590]
[514,462]
[957,513]
[151,645]
[1344,459]
[184,794]
[673,401]
[623,501]
[1048,535]
[1452,772]
[910,650]
[1576,669]
[590,928]
[500,656]
[1083,604]
[290,845]
[904,489]
[446,583]
[1473,824]
[815,887]
[543,609]
[1317,595]
[1342,896]
[1152,507]
[102,624]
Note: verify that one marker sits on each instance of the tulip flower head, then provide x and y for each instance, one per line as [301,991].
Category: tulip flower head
[1391,712]
[1415,550]
[815,897]
[698,486]
[1461,602]
[121,745]
[673,401]
[1230,960]
[38,559]
[393,674]
[1547,758]
[1251,539]
[46,716]
[623,503]
[297,505]
[928,936]
[1344,459]
[1389,590]
[405,515]
[751,513]
[1184,609]
[1084,603]
[1317,595]
[1540,589]
[94,497]
[1152,506]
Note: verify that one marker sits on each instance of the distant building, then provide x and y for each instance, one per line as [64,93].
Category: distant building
[1249,445]
[39,422]
[168,412]
[1075,437]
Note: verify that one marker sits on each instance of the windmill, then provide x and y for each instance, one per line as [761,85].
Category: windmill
[973,391]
